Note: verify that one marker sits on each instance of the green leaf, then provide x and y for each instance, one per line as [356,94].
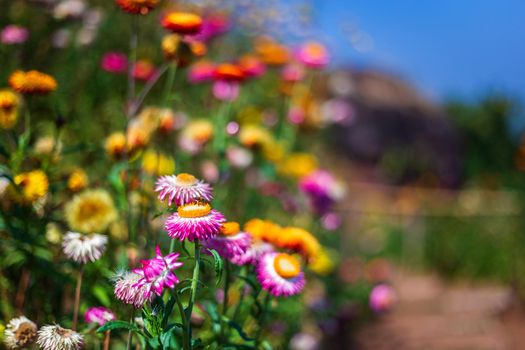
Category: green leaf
[238,328]
[167,310]
[266,346]
[101,295]
[218,266]
[111,325]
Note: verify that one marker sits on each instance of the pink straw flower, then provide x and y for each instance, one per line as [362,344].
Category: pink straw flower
[194,221]
[226,90]
[127,291]
[253,254]
[292,72]
[382,298]
[114,62]
[200,72]
[183,189]
[99,314]
[280,274]
[156,272]
[13,34]
[313,55]
[230,243]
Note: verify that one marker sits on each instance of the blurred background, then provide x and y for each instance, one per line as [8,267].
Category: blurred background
[428,99]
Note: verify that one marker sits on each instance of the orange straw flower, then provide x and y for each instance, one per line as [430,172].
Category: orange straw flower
[142,7]
[32,82]
[182,22]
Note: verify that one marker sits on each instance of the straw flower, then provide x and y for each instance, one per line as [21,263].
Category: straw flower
[9,103]
[32,82]
[136,7]
[313,55]
[194,221]
[115,144]
[280,274]
[127,290]
[90,211]
[182,22]
[230,243]
[183,189]
[54,337]
[20,333]
[77,181]
[156,272]
[99,315]
[156,163]
[32,186]
[84,248]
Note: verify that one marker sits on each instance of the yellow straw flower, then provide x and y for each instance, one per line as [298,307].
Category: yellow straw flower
[254,136]
[299,240]
[32,82]
[9,103]
[90,211]
[199,131]
[298,165]
[78,180]
[115,144]
[155,163]
[322,264]
[31,186]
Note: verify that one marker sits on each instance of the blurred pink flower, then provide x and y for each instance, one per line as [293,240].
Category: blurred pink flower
[292,72]
[212,26]
[114,62]
[226,90]
[99,315]
[296,115]
[313,55]
[331,221]
[382,298]
[13,34]
[200,72]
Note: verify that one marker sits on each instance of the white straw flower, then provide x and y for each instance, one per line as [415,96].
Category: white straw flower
[84,248]
[54,337]
[19,333]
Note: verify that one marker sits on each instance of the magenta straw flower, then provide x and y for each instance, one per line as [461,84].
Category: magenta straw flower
[226,90]
[253,254]
[99,315]
[127,291]
[114,62]
[194,221]
[156,272]
[201,72]
[183,189]
[280,274]
[13,34]
[230,243]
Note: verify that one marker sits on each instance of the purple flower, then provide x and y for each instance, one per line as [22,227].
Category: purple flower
[322,189]
[280,274]
[114,62]
[156,272]
[13,34]
[99,314]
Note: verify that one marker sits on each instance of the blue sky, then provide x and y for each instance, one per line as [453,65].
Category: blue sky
[446,47]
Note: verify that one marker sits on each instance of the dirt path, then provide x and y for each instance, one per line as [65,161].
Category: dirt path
[432,315]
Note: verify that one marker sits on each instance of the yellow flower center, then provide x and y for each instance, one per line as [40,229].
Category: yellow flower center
[230,228]
[186,179]
[286,266]
[194,210]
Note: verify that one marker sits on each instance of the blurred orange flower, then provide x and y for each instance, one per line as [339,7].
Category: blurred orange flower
[182,22]
[141,7]
[32,82]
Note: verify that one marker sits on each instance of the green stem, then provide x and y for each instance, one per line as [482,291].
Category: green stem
[172,245]
[133,44]
[244,273]
[128,345]
[194,285]
[170,81]
[262,323]
[225,298]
